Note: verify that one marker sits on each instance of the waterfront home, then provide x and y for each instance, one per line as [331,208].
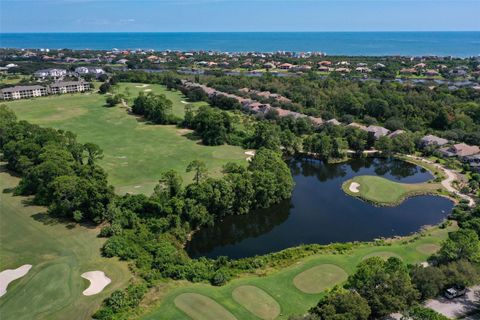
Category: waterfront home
[431,73]
[268,65]
[396,133]
[343,70]
[23,92]
[431,140]
[408,71]
[69,87]
[286,66]
[473,161]
[358,126]
[363,69]
[324,69]
[333,122]
[55,74]
[378,131]
[460,150]
[96,71]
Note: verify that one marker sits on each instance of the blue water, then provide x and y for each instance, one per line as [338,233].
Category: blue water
[335,43]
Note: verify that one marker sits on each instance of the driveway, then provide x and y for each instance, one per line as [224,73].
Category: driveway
[457,307]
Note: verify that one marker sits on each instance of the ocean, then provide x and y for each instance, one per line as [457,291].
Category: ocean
[461,44]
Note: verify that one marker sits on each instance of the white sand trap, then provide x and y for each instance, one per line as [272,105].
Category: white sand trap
[122,157]
[354,187]
[147,90]
[142,86]
[250,153]
[9,275]
[98,281]
[184,102]
[136,187]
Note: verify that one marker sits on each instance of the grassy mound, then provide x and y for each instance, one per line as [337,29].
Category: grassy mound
[59,254]
[428,248]
[256,301]
[200,307]
[319,278]
[134,152]
[382,254]
[385,192]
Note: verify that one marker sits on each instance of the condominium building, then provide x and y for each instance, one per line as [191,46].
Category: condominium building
[69,87]
[23,92]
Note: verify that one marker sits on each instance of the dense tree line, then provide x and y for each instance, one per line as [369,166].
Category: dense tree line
[454,114]
[155,108]
[60,172]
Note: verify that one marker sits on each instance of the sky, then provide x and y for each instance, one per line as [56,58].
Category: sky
[237,15]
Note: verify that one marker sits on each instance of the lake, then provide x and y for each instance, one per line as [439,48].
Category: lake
[320,212]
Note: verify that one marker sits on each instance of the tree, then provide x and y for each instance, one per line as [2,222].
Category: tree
[340,305]
[462,244]
[94,152]
[385,285]
[266,135]
[169,185]
[105,87]
[199,168]
[113,100]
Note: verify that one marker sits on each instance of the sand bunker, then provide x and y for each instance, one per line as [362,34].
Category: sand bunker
[9,275]
[184,102]
[147,90]
[354,187]
[98,281]
[142,86]
[250,153]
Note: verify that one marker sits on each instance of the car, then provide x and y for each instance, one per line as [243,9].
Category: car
[455,292]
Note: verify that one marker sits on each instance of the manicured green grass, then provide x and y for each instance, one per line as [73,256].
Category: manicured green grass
[134,152]
[257,301]
[428,248]
[200,307]
[319,278]
[59,254]
[382,191]
[279,283]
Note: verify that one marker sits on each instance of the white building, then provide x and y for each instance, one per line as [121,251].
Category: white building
[69,87]
[23,92]
[96,71]
[50,73]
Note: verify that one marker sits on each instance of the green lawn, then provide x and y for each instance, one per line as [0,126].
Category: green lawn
[59,253]
[280,284]
[134,152]
[386,192]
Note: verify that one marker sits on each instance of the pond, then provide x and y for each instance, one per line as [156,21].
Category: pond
[320,212]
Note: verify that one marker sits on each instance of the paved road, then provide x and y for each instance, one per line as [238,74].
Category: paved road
[457,307]
[451,176]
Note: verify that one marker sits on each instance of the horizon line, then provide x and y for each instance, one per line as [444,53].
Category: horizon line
[339,31]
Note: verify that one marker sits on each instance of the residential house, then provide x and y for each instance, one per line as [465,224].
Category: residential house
[431,140]
[95,71]
[473,161]
[325,63]
[333,122]
[431,73]
[378,131]
[286,66]
[55,74]
[358,126]
[268,65]
[396,133]
[343,70]
[460,150]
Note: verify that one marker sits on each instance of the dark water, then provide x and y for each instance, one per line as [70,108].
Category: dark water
[338,43]
[320,212]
